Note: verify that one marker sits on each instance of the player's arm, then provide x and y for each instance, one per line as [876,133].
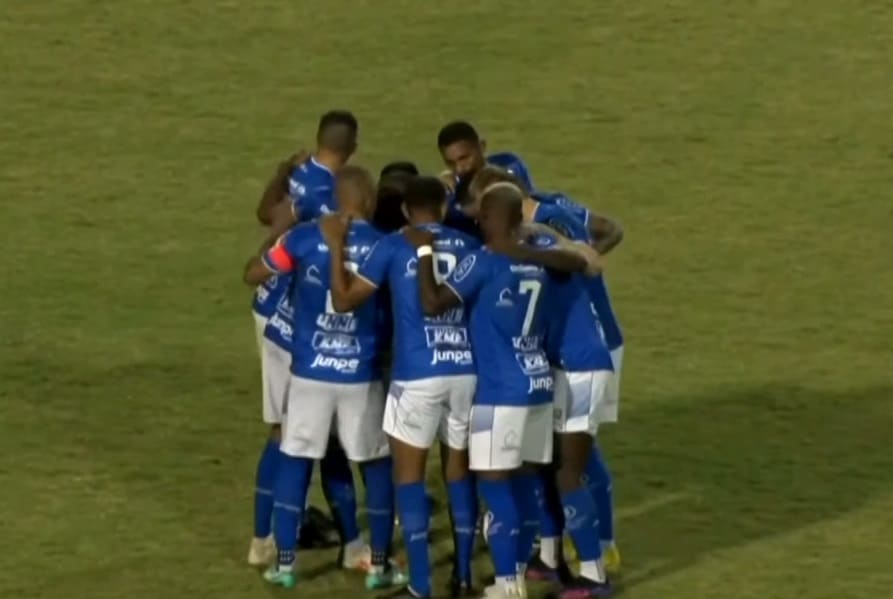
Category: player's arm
[584,250]
[606,233]
[348,290]
[435,298]
[273,258]
[276,189]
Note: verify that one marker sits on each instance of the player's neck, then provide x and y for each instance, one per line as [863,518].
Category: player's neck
[528,209]
[328,159]
[423,218]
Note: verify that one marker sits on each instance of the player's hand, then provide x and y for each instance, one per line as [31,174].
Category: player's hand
[334,228]
[448,179]
[418,237]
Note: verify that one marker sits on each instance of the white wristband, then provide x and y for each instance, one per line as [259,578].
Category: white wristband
[423,251]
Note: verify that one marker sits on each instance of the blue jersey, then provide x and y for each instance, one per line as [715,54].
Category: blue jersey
[564,222]
[507,324]
[456,219]
[573,340]
[424,346]
[579,211]
[328,345]
[310,188]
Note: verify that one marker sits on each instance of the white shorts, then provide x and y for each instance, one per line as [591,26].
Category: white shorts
[578,398]
[275,370]
[609,410]
[355,410]
[418,411]
[504,437]
[260,323]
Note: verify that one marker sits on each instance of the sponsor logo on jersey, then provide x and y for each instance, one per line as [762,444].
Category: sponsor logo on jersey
[525,268]
[342,365]
[451,316]
[541,383]
[462,357]
[446,335]
[339,323]
[533,363]
[263,294]
[528,343]
[336,343]
[279,324]
[505,298]
[411,268]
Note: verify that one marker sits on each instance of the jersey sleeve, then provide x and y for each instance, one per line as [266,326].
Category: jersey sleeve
[374,269]
[468,277]
[564,222]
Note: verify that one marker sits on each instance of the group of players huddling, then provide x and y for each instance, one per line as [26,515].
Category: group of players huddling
[468,308]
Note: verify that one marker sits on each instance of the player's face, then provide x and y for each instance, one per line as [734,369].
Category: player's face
[464,158]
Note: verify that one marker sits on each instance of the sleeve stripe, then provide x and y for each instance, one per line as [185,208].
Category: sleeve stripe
[453,289]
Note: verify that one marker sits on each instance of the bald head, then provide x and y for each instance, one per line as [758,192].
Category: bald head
[500,209]
[355,191]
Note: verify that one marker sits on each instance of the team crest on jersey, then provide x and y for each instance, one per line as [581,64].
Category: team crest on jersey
[296,188]
[464,267]
[505,298]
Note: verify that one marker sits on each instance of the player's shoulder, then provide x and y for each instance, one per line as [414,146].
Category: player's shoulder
[513,164]
[310,175]
[562,220]
[302,234]
[364,231]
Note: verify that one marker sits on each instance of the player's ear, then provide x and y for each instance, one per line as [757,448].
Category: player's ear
[483,146]
[404,211]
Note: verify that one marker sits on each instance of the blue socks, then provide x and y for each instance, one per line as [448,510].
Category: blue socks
[415,517]
[551,510]
[338,488]
[464,509]
[502,535]
[598,481]
[581,522]
[264,480]
[380,508]
[290,496]
[528,505]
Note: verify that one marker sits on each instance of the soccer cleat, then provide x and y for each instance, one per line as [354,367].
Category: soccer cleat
[611,558]
[357,557]
[583,588]
[539,571]
[504,591]
[282,578]
[392,577]
[262,552]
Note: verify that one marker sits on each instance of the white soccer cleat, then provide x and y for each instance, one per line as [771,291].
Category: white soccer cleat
[262,552]
[357,556]
[505,591]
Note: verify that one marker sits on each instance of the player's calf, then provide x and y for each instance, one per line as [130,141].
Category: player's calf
[262,550]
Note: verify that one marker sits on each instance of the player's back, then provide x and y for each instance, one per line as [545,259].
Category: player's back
[508,326]
[328,345]
[311,186]
[428,346]
[513,164]
[561,200]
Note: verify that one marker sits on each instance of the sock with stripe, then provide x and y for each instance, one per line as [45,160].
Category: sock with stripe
[265,478]
[502,532]
[289,495]
[598,481]
[414,512]
[464,510]
[379,509]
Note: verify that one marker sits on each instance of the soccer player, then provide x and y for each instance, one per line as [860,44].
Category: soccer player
[306,183]
[392,184]
[511,419]
[464,153]
[595,474]
[433,379]
[604,233]
[335,377]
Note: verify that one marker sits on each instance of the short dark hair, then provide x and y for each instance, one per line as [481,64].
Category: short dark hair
[389,215]
[399,167]
[457,131]
[337,131]
[426,193]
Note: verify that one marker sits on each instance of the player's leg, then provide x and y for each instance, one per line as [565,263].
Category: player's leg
[359,418]
[460,483]
[600,482]
[494,454]
[412,415]
[575,432]
[275,363]
[536,452]
[338,488]
[310,410]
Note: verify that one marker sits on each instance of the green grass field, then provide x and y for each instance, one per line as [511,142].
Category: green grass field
[746,147]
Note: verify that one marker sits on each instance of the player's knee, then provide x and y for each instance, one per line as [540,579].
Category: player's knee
[409,462]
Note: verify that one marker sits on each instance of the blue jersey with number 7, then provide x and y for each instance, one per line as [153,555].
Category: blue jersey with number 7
[507,325]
